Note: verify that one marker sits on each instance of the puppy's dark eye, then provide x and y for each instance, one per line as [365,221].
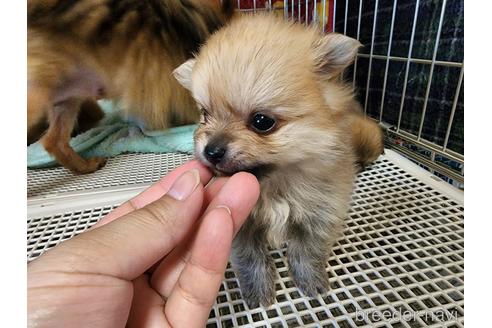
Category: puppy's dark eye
[262,123]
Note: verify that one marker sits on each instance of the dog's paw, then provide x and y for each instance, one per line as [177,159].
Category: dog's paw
[258,293]
[310,279]
[97,162]
[258,286]
[93,164]
[85,166]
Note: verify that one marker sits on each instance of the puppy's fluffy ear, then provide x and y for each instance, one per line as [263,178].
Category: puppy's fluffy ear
[334,53]
[183,73]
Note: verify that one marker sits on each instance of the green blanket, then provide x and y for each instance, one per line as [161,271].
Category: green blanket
[114,136]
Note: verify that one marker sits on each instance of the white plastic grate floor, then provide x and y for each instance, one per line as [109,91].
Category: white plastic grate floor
[399,264]
[124,170]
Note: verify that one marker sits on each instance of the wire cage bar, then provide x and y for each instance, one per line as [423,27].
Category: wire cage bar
[427,92]
[358,36]
[387,59]
[370,54]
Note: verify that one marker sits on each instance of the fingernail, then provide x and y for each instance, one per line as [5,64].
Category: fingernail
[184,186]
[226,208]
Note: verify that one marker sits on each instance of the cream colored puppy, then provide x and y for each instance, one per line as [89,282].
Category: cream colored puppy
[272,104]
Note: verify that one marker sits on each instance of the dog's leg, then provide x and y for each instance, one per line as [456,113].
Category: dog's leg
[256,271]
[62,119]
[308,249]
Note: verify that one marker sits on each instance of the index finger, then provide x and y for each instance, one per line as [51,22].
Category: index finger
[195,292]
[156,191]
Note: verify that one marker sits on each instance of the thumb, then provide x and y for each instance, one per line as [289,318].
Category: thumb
[128,246]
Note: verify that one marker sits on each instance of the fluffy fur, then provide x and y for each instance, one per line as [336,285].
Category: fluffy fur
[79,51]
[306,163]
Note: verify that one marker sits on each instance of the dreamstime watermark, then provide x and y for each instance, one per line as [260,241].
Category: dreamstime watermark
[436,315]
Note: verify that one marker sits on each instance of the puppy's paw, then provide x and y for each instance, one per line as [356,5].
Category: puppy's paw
[94,164]
[310,279]
[257,284]
[256,293]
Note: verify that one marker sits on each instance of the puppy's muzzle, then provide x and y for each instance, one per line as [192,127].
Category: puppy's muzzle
[214,152]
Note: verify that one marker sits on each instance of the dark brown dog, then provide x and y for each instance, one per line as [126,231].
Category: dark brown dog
[79,51]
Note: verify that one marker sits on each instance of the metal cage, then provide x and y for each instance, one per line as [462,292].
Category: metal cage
[400,262]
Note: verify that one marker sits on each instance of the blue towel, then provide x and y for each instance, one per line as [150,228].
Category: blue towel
[114,136]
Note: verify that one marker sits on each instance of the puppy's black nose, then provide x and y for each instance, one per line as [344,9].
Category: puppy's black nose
[214,153]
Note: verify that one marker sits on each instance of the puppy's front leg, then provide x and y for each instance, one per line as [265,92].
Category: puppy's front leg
[256,271]
[308,249]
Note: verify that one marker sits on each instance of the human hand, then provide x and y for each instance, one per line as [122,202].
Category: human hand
[157,260]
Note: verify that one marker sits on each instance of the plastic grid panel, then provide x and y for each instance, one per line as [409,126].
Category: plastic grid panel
[123,170]
[46,232]
[399,264]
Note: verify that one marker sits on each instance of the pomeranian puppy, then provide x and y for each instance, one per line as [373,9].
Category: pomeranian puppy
[272,104]
[80,51]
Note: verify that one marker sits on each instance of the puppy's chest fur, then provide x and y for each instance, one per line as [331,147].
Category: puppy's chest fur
[314,200]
